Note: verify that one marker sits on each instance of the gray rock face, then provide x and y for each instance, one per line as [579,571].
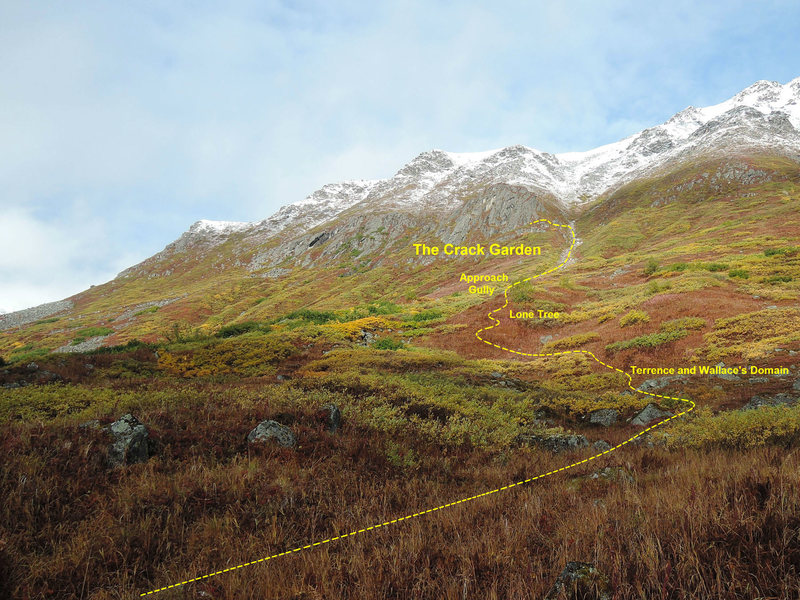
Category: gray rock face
[776,400]
[332,416]
[560,442]
[130,443]
[651,412]
[796,385]
[581,581]
[272,430]
[604,416]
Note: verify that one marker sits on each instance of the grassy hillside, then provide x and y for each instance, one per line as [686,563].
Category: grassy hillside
[687,269]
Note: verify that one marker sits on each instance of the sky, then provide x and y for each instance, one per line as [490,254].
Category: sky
[121,124]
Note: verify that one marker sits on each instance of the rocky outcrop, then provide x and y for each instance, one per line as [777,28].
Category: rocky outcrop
[131,441]
[29,315]
[776,400]
[580,581]
[557,442]
[649,413]
[661,382]
[273,431]
[612,474]
[604,416]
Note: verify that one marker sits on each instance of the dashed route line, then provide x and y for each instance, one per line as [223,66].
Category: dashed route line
[490,492]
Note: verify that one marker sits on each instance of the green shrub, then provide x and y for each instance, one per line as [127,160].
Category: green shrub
[740,273]
[388,344]
[683,323]
[634,316]
[90,332]
[651,267]
[778,279]
[313,316]
[650,340]
[427,315]
[238,329]
[680,266]
[571,342]
[716,267]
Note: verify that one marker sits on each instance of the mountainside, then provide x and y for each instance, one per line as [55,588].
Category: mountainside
[339,390]
[355,238]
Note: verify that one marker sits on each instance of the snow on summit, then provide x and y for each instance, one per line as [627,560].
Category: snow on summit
[766,114]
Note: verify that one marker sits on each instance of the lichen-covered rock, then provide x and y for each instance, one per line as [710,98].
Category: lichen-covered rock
[131,441]
[580,581]
[602,446]
[558,442]
[272,430]
[604,416]
[649,413]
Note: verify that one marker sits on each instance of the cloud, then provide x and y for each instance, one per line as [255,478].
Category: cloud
[149,118]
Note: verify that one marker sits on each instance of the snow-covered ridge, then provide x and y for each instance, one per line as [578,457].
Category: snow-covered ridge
[766,114]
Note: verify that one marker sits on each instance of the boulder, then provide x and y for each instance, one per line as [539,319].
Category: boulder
[604,416]
[582,581]
[272,430]
[602,446]
[558,442]
[649,413]
[776,400]
[796,386]
[661,382]
[131,441]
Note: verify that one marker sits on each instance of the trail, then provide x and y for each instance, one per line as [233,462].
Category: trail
[691,406]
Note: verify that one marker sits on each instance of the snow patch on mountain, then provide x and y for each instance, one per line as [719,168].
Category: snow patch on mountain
[765,114]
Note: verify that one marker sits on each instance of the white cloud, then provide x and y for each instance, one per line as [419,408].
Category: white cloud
[153,118]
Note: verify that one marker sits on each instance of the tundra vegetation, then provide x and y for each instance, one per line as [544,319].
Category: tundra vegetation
[709,506]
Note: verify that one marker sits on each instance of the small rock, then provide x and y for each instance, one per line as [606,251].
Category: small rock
[130,443]
[32,366]
[602,446]
[612,474]
[93,424]
[272,430]
[581,581]
[796,385]
[661,382]
[496,375]
[332,417]
[11,386]
[545,338]
[604,416]
[88,366]
[651,412]
[758,380]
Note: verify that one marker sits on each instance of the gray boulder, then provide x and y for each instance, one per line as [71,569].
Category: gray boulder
[651,412]
[559,442]
[272,430]
[602,446]
[661,382]
[604,416]
[796,385]
[131,441]
[581,581]
[776,400]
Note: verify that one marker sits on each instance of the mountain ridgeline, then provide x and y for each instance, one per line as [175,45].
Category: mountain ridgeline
[352,242]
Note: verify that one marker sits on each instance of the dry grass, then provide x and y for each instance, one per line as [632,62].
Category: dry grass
[711,524]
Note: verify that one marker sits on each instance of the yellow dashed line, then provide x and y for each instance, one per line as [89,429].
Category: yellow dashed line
[490,492]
